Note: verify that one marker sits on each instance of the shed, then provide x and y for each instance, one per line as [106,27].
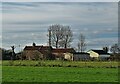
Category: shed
[81,56]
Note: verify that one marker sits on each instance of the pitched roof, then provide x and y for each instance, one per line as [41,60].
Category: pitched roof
[61,50]
[100,51]
[37,47]
[81,53]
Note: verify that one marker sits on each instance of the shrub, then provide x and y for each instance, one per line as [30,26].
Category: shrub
[11,63]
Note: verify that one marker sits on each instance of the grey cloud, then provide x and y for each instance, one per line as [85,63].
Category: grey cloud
[95,20]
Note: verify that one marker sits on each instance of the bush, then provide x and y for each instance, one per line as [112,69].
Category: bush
[11,63]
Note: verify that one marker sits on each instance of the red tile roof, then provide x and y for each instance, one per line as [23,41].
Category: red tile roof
[44,48]
[37,47]
[70,50]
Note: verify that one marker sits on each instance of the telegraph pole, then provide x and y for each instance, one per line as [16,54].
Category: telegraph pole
[49,30]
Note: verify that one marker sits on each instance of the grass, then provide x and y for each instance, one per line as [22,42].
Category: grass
[54,63]
[59,71]
[58,74]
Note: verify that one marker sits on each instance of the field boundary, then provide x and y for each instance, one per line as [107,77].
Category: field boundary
[47,63]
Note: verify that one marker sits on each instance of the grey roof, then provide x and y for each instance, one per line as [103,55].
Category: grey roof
[100,52]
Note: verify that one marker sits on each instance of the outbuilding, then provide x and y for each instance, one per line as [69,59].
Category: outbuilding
[81,56]
[99,54]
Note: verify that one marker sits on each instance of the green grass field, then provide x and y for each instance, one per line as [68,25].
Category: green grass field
[58,74]
[27,71]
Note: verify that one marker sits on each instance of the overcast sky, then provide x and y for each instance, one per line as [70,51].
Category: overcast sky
[27,22]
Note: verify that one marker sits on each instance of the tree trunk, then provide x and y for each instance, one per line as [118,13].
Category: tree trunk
[56,44]
[65,45]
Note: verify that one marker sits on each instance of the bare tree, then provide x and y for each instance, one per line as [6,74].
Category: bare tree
[106,49]
[81,43]
[13,52]
[59,36]
[56,32]
[115,49]
[67,37]
[49,35]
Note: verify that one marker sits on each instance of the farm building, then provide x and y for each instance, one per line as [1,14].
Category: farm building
[47,52]
[99,54]
[66,54]
[37,52]
[81,56]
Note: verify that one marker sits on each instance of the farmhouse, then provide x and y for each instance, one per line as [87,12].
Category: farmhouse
[81,56]
[37,52]
[66,54]
[99,54]
[47,52]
